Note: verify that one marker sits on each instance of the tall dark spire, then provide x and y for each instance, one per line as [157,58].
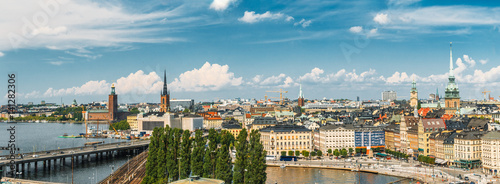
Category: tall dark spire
[165,89]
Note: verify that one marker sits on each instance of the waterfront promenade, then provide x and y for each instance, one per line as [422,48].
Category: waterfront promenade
[412,170]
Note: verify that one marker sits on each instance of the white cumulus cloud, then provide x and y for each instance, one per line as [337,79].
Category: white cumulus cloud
[221,5]
[210,77]
[252,17]
[483,61]
[2,54]
[381,18]
[356,29]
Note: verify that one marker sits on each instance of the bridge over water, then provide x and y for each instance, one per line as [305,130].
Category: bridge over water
[77,155]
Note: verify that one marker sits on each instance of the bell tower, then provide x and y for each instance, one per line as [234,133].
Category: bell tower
[165,95]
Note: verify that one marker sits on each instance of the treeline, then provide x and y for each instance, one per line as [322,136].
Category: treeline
[397,154]
[426,159]
[173,155]
[59,114]
[121,125]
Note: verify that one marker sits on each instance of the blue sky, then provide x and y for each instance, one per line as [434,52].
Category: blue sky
[219,49]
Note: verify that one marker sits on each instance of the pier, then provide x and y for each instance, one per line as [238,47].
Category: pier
[79,155]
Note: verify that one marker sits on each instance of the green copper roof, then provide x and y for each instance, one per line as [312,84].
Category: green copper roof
[451,90]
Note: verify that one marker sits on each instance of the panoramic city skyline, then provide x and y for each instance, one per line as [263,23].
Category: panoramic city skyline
[232,48]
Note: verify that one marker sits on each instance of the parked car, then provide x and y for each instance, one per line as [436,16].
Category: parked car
[3,158]
[466,178]
[35,156]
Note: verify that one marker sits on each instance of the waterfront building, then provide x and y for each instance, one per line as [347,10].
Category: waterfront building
[452,94]
[336,137]
[490,156]
[407,122]
[467,149]
[132,121]
[391,136]
[148,121]
[111,114]
[425,128]
[165,95]
[389,96]
[448,145]
[413,139]
[413,94]
[369,138]
[276,139]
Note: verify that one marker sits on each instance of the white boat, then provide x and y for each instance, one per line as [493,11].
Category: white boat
[283,166]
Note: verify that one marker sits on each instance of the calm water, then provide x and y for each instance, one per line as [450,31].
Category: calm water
[44,136]
[308,175]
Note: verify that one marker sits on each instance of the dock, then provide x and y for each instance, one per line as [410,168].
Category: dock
[93,143]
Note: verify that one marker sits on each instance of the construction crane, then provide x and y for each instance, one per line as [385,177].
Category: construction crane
[484,93]
[281,95]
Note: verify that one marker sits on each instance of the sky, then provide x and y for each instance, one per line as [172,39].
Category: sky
[62,50]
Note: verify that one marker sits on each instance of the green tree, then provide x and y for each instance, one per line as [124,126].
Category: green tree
[210,156]
[257,163]
[151,160]
[185,155]
[343,152]
[134,111]
[351,151]
[419,105]
[290,153]
[329,151]
[223,168]
[161,159]
[186,111]
[313,153]
[198,153]
[297,153]
[305,153]
[320,153]
[336,152]
[283,153]
[241,157]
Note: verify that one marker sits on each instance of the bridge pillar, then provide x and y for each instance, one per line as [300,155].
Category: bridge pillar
[36,166]
[88,157]
[48,164]
[44,164]
[29,168]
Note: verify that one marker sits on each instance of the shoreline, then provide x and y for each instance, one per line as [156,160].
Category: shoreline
[394,174]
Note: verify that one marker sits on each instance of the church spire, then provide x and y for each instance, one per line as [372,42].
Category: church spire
[451,61]
[300,92]
[165,89]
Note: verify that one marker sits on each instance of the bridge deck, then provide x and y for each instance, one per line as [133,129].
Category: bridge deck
[63,153]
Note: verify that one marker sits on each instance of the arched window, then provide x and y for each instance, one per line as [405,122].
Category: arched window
[455,104]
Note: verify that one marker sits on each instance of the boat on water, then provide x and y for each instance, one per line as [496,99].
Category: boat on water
[282,166]
[70,136]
